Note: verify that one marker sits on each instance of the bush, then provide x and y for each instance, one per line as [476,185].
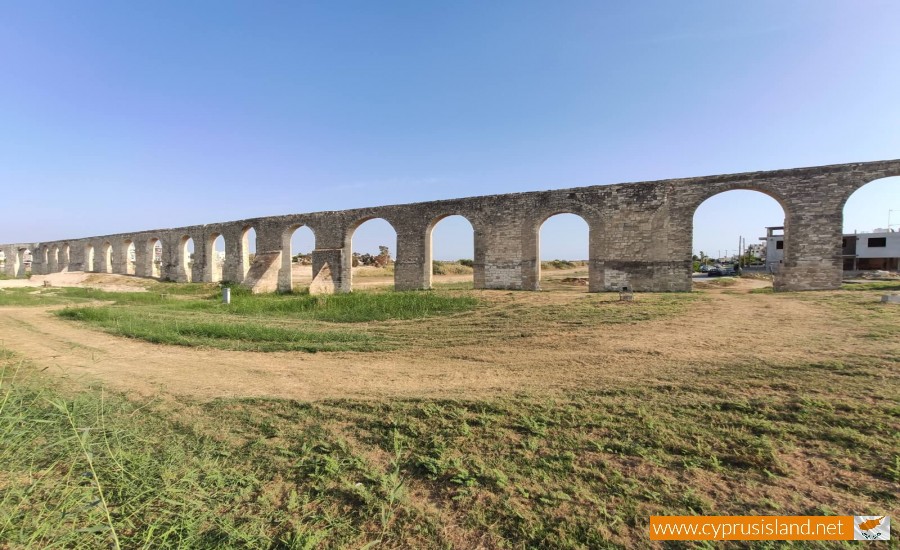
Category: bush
[558,264]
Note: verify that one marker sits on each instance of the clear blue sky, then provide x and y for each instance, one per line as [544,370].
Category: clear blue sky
[121,116]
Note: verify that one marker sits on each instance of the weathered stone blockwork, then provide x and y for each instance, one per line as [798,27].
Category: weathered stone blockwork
[640,236]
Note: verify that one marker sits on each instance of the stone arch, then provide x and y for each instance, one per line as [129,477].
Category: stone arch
[286,274]
[153,257]
[691,198]
[348,247]
[533,237]
[89,257]
[129,257]
[870,226]
[852,185]
[429,247]
[777,257]
[213,267]
[185,259]
[24,261]
[248,249]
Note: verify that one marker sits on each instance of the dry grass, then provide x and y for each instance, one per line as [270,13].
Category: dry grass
[552,419]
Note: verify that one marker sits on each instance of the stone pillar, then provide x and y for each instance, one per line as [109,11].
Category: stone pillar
[478,275]
[20,261]
[643,250]
[120,257]
[531,255]
[234,269]
[76,257]
[263,272]
[174,259]
[38,261]
[53,260]
[143,258]
[285,275]
[812,249]
[11,261]
[503,257]
[329,275]
[65,258]
[412,268]
[204,268]
[331,262]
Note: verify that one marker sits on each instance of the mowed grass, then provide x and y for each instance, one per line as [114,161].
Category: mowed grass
[361,321]
[82,467]
[264,322]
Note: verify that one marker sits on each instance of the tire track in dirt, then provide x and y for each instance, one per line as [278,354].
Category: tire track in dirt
[723,327]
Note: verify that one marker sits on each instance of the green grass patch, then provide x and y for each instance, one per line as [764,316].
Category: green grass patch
[874,285]
[260,322]
[38,296]
[222,334]
[354,307]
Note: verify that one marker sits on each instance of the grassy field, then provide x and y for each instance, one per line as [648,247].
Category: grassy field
[581,471]
[361,321]
[82,465]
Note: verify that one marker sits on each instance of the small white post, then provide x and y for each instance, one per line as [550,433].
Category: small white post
[226,295]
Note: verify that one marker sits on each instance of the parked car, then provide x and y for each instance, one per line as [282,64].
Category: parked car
[721,271]
[704,268]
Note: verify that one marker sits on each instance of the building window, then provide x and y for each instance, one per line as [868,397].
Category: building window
[843,243]
[877,242]
[779,245]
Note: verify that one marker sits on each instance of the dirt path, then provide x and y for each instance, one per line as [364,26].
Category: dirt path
[726,326]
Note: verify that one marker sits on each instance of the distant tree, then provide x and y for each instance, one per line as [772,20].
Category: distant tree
[383,259]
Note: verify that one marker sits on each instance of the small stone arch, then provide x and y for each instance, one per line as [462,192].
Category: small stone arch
[153,256]
[478,259]
[185,261]
[531,265]
[245,259]
[881,222]
[129,257]
[347,278]
[286,273]
[89,257]
[213,268]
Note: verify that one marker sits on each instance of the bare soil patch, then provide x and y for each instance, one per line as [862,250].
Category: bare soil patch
[453,360]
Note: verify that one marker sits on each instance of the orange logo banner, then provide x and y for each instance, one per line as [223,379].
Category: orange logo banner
[752,527]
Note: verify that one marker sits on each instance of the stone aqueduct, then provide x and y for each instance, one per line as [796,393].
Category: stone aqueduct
[640,236]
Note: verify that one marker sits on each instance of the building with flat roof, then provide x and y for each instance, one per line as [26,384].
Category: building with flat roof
[877,250]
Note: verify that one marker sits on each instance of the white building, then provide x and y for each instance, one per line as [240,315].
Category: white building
[774,241]
[878,250]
